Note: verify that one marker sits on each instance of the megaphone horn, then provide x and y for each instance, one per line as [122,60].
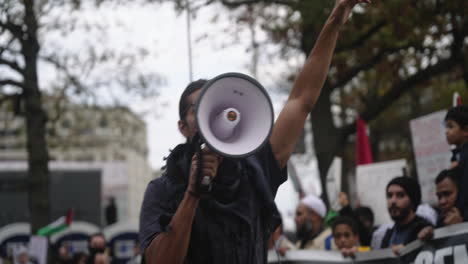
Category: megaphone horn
[234,115]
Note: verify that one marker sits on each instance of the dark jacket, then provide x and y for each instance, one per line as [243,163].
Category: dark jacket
[413,227]
[233,223]
[462,201]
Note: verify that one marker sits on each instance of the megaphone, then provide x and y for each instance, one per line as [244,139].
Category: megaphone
[234,115]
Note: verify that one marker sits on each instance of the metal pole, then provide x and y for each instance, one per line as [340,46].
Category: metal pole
[189,41]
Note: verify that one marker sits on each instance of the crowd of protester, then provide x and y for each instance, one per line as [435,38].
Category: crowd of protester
[350,230]
[353,230]
[98,252]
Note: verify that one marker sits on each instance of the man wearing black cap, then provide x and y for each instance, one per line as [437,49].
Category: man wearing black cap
[403,197]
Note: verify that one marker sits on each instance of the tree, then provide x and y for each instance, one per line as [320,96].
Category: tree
[27,90]
[25,28]
[386,50]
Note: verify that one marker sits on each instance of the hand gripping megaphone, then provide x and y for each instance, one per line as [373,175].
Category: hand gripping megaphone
[234,115]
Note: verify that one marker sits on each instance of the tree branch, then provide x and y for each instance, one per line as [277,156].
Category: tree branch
[6,47]
[353,72]
[12,64]
[361,39]
[11,82]
[234,4]
[72,78]
[14,29]
[393,94]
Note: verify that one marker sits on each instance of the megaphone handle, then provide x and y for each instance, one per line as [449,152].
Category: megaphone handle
[203,182]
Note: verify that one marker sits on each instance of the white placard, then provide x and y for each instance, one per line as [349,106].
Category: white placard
[371,181]
[38,248]
[431,151]
[334,183]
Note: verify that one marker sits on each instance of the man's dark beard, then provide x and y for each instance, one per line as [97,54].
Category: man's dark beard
[404,212]
[305,232]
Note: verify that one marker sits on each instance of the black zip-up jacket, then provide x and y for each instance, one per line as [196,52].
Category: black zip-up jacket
[233,224]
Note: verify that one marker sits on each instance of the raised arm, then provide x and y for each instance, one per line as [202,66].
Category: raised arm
[308,84]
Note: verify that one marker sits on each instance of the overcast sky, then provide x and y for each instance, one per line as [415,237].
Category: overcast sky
[172,53]
[157,29]
[162,33]
[211,57]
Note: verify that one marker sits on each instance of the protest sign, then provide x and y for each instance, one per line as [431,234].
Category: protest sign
[38,246]
[431,151]
[334,183]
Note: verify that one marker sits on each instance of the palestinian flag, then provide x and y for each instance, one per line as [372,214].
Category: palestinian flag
[57,226]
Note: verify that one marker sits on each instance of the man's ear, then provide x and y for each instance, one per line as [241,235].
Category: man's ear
[183,128]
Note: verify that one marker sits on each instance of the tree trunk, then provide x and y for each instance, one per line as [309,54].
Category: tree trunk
[325,136]
[38,170]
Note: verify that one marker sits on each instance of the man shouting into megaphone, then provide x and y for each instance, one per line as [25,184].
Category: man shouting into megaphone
[231,222]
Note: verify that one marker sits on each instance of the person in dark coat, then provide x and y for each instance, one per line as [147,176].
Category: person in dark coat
[403,198]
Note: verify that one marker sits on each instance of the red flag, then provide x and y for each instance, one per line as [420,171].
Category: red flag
[363,150]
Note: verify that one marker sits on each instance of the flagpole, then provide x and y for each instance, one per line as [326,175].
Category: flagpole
[189,41]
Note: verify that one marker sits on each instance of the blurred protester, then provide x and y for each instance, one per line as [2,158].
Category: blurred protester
[363,216]
[424,210]
[447,194]
[63,254]
[279,242]
[403,198]
[98,253]
[456,132]
[447,183]
[22,256]
[310,229]
[366,224]
[111,212]
[136,259]
[79,258]
[346,236]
